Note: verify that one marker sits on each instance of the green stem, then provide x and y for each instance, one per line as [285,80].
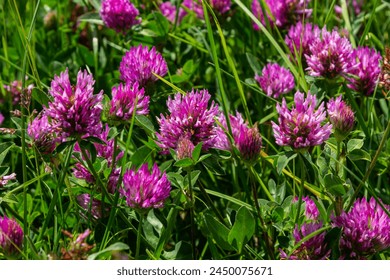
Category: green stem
[301,188]
[141,220]
[192,214]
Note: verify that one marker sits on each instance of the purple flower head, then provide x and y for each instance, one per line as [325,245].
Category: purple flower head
[314,248]
[249,143]
[124,98]
[301,127]
[341,117]
[105,151]
[365,229]
[189,118]
[5,179]
[139,64]
[91,207]
[77,248]
[247,139]
[196,6]
[43,133]
[311,210]
[145,189]
[330,56]
[169,11]
[75,110]
[119,15]
[275,80]
[367,72]
[355,7]
[284,12]
[300,37]
[221,6]
[11,236]
[221,140]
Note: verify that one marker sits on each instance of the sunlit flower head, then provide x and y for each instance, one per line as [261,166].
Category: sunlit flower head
[341,117]
[145,189]
[119,15]
[11,236]
[301,127]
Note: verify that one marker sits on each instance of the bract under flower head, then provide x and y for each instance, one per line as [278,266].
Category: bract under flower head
[275,80]
[119,15]
[189,118]
[75,110]
[139,64]
[301,127]
[365,229]
[144,189]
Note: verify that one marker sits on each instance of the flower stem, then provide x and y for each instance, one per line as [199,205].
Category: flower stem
[192,213]
[301,188]
[138,245]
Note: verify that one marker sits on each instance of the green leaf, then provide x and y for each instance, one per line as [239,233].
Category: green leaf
[145,123]
[218,232]
[196,152]
[354,144]
[4,148]
[141,155]
[243,228]
[212,164]
[40,96]
[64,145]
[334,184]
[119,246]
[253,63]
[185,162]
[90,147]
[92,17]
[283,160]
[359,155]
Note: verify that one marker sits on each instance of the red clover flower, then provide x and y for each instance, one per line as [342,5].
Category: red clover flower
[139,64]
[169,11]
[365,229]
[11,236]
[367,72]
[75,110]
[189,118]
[145,189]
[341,117]
[275,80]
[301,127]
[119,15]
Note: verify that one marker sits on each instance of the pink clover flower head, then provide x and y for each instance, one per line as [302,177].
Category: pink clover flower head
[195,6]
[311,210]
[221,140]
[189,117]
[300,37]
[247,139]
[275,80]
[43,133]
[75,109]
[221,6]
[119,15]
[91,207]
[5,179]
[169,11]
[365,229]
[139,64]
[341,117]
[301,127]
[124,98]
[368,70]
[330,56]
[283,13]
[11,236]
[15,89]
[314,248]
[145,189]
